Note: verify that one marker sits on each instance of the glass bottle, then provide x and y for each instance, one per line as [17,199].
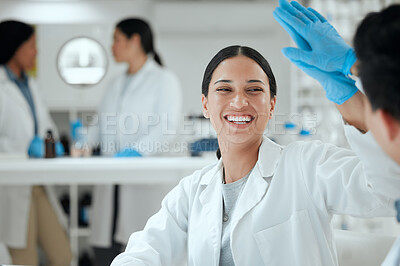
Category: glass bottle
[50,145]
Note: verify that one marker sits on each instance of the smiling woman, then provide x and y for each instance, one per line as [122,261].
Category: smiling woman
[261,203]
[239,96]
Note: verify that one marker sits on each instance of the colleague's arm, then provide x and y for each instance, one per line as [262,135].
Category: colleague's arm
[361,182]
[352,111]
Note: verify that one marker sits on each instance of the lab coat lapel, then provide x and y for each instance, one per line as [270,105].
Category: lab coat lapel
[211,199]
[14,92]
[256,185]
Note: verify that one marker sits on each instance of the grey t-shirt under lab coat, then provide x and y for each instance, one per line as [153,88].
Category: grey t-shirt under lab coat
[230,194]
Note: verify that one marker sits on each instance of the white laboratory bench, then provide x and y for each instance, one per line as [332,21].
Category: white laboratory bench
[80,171]
[93,171]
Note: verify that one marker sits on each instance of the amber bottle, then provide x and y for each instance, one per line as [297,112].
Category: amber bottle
[50,145]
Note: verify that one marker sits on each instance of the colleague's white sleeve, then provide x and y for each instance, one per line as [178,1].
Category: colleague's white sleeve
[163,240]
[338,182]
[383,173]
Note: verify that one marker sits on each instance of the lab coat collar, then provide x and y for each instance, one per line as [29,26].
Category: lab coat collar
[148,65]
[268,158]
[11,88]
[14,78]
[209,176]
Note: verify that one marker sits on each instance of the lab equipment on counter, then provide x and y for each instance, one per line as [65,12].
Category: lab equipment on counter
[38,148]
[292,132]
[64,140]
[203,138]
[203,145]
[50,145]
[80,146]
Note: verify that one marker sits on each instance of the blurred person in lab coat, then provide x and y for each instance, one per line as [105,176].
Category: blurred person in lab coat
[324,55]
[261,203]
[139,116]
[29,215]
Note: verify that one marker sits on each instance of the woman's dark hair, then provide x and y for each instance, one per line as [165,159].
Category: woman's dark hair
[376,43]
[12,35]
[138,26]
[232,51]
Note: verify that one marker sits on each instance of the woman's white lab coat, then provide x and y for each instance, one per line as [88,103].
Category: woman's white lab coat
[16,132]
[146,118]
[283,214]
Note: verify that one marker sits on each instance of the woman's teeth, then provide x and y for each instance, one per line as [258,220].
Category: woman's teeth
[240,120]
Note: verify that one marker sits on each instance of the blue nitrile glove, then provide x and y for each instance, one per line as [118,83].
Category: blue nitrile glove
[36,148]
[59,149]
[128,153]
[329,52]
[337,86]
[397,204]
[300,41]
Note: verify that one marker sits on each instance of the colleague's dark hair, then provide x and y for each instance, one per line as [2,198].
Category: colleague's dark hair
[377,46]
[232,51]
[12,35]
[132,26]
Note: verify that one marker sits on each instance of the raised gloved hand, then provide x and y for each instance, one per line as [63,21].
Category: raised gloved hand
[128,152]
[320,44]
[297,38]
[36,148]
[337,86]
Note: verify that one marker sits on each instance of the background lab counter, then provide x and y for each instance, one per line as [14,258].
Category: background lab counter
[94,171]
[79,171]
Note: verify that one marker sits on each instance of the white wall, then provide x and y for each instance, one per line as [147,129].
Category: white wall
[188,34]
[72,12]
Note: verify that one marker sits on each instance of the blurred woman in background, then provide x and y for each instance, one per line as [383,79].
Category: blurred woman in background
[29,215]
[138,117]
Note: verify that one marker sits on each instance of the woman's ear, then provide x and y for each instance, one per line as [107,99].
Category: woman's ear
[135,40]
[271,110]
[204,103]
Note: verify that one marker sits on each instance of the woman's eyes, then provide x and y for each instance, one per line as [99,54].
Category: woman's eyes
[223,89]
[249,90]
[255,89]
